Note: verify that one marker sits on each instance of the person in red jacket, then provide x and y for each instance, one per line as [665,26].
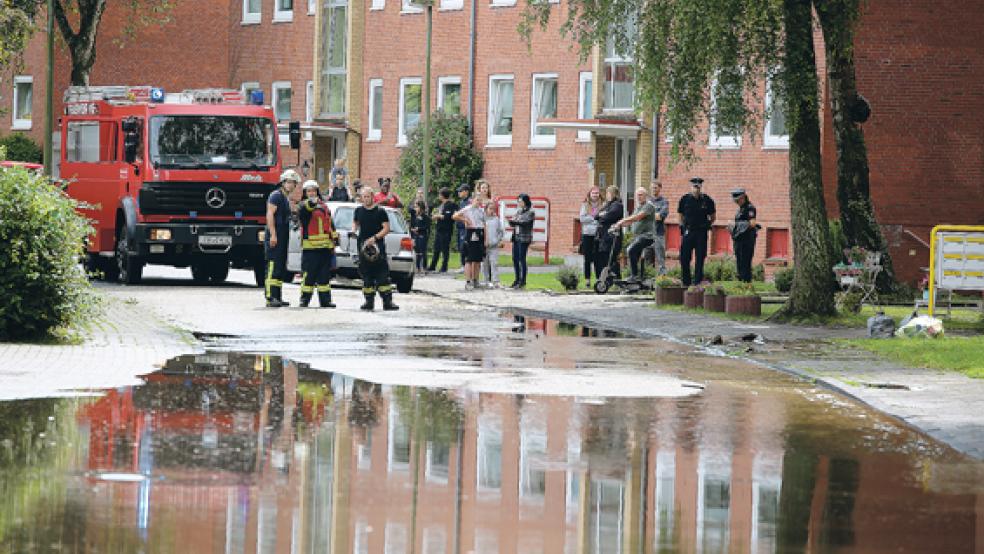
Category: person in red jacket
[386,198]
[318,237]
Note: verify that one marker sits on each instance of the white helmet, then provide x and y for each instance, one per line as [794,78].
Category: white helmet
[290,175]
[311,184]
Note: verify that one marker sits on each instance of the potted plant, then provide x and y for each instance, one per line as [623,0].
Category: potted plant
[743,300]
[714,298]
[693,298]
[669,291]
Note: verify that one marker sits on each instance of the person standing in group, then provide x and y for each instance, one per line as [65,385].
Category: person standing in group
[386,198]
[494,234]
[318,238]
[464,199]
[338,191]
[522,223]
[473,218]
[643,222]
[607,242]
[443,229]
[697,213]
[277,238]
[662,206]
[338,168]
[589,229]
[420,222]
[483,192]
[744,231]
[371,225]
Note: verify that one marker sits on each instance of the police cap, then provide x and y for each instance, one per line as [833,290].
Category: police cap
[696,181]
[737,193]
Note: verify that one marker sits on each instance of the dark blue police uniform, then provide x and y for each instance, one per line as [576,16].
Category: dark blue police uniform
[695,221]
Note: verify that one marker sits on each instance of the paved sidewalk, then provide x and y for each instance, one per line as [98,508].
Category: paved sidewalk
[942,404]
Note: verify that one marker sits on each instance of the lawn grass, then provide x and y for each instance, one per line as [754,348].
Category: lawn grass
[505,260]
[534,281]
[963,354]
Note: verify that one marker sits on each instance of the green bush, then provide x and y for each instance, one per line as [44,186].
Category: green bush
[569,277]
[42,286]
[758,273]
[837,239]
[721,270]
[454,158]
[20,148]
[784,279]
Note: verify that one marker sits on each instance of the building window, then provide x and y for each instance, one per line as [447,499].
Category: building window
[398,442]
[500,110]
[776,133]
[503,3]
[282,96]
[489,453]
[585,80]
[543,106]
[283,10]
[449,94]
[438,462]
[410,94]
[375,109]
[251,11]
[410,7]
[452,4]
[721,243]
[332,47]
[619,87]
[308,106]
[23,101]
[312,6]
[532,456]
[377,5]
[720,138]
[777,244]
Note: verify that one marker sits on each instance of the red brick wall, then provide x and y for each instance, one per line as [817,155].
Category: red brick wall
[560,173]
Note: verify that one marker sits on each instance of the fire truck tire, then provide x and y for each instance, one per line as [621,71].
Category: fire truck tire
[130,267]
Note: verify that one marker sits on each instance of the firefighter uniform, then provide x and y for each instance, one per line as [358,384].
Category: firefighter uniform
[743,233]
[276,256]
[374,270]
[318,238]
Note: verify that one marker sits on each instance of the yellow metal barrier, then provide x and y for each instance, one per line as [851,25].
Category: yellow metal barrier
[972,238]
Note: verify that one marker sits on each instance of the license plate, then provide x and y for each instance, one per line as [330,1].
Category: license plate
[215,240]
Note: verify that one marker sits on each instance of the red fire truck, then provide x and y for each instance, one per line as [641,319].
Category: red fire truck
[176,179]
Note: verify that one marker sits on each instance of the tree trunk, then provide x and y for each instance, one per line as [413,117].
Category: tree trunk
[813,283]
[81,44]
[848,110]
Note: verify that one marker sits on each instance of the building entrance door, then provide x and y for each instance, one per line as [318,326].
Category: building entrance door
[625,171]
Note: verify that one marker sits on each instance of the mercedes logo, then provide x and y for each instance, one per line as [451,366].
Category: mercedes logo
[215,197]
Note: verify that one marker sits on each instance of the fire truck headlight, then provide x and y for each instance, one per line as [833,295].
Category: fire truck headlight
[261,235]
[160,234]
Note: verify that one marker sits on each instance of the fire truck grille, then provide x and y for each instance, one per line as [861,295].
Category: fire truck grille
[178,198]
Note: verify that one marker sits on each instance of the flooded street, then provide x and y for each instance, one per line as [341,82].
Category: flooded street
[535,437]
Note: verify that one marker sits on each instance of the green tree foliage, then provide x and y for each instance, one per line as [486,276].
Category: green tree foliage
[686,49]
[15,30]
[19,147]
[454,159]
[42,287]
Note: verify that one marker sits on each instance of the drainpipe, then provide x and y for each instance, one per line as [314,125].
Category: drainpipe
[656,145]
[471,67]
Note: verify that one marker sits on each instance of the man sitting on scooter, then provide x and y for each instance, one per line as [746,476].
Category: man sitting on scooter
[643,231]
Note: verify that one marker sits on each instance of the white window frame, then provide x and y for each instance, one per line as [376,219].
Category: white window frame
[377,5]
[374,135]
[540,141]
[714,140]
[312,7]
[429,466]
[274,97]
[770,141]
[404,83]
[615,58]
[583,79]
[489,431]
[502,3]
[21,124]
[283,16]
[441,81]
[308,106]
[450,5]
[251,18]
[391,463]
[406,7]
[503,141]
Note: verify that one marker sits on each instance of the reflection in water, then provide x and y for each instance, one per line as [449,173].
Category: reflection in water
[236,453]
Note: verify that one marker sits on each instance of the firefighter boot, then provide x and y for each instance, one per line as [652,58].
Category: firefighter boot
[276,300]
[324,299]
[370,303]
[306,299]
[388,304]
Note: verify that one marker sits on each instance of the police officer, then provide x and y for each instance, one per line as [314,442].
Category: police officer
[318,239]
[697,213]
[278,237]
[371,224]
[743,233]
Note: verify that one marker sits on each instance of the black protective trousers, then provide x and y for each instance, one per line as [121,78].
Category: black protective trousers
[316,266]
[276,270]
[375,275]
[442,247]
[693,245]
[744,251]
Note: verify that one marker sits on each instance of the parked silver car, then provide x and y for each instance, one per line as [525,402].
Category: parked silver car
[399,246]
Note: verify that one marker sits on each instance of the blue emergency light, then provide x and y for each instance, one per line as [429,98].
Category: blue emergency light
[192,214]
[157,94]
[256,97]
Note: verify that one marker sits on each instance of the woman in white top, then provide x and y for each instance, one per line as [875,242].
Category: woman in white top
[495,233]
[473,217]
[589,228]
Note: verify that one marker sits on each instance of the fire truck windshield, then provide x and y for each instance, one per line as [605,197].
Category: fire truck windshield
[212,142]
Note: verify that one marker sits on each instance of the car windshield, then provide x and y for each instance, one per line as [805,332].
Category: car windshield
[342,219]
[212,142]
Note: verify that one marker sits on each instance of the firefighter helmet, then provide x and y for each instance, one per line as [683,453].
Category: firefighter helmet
[311,184]
[370,252]
[290,175]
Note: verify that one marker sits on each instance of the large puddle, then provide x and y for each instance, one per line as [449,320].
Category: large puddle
[232,452]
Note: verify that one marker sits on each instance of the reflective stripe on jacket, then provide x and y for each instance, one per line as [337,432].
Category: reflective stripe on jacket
[317,231]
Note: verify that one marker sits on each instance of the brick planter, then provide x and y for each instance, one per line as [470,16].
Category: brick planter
[693,299]
[714,302]
[666,296]
[744,305]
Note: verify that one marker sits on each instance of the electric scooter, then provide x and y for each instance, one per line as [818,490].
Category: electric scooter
[606,279]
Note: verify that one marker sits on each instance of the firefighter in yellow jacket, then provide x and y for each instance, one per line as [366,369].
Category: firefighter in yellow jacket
[318,237]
